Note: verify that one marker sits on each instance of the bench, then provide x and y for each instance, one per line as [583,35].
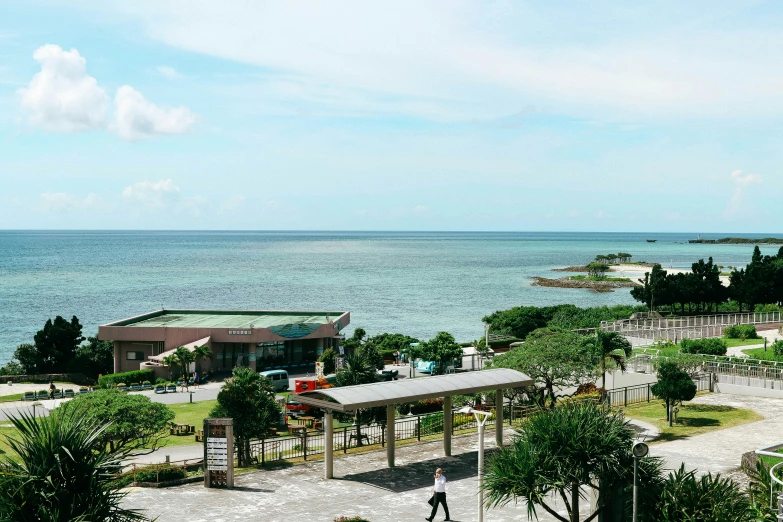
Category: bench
[69,393]
[28,396]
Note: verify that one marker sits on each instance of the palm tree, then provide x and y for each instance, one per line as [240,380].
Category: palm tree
[357,369]
[63,471]
[171,362]
[561,453]
[614,347]
[201,352]
[184,357]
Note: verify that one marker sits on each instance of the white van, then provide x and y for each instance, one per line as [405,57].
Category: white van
[279,379]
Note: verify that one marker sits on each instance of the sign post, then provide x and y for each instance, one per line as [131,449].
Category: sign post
[219,453]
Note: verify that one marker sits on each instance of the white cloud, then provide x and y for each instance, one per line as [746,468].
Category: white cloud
[232,203]
[61,202]
[602,214]
[168,72]
[136,117]
[153,194]
[420,209]
[741,183]
[462,60]
[63,97]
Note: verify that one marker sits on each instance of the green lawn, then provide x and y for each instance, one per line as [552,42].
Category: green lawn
[693,419]
[188,413]
[759,353]
[11,398]
[743,342]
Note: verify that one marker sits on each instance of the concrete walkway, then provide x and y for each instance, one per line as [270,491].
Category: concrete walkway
[770,335]
[721,450]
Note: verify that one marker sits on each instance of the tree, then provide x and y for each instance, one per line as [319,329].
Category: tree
[614,347]
[674,386]
[249,399]
[358,370]
[63,471]
[442,349]
[562,451]
[329,359]
[28,358]
[94,358]
[200,353]
[56,344]
[597,270]
[138,424]
[553,358]
[373,356]
[355,341]
[392,342]
[691,364]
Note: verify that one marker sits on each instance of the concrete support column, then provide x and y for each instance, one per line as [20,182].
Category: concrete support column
[447,426]
[328,446]
[390,436]
[499,418]
[251,356]
[117,357]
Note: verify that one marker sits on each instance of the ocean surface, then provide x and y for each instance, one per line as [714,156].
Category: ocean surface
[417,283]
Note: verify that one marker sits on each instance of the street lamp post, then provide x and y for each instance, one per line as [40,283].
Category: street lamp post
[34,405]
[639,450]
[481,418]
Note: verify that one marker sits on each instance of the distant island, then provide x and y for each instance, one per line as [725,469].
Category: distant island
[739,241]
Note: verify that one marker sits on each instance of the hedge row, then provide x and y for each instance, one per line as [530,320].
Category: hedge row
[703,346]
[109,381]
[741,331]
[45,378]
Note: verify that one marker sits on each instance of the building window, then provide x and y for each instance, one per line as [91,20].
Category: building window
[135,356]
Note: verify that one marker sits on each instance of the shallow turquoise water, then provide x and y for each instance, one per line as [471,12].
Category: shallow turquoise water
[416,283]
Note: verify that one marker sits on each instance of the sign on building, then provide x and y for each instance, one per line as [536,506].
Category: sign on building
[219,453]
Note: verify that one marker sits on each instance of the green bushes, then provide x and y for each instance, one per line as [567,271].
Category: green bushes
[161,473]
[777,348]
[109,381]
[741,331]
[703,346]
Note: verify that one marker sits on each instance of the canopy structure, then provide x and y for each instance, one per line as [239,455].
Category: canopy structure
[391,393]
[191,347]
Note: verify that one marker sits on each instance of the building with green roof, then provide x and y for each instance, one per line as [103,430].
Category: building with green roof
[262,340]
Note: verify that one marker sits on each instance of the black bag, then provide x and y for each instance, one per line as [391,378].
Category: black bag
[431,501]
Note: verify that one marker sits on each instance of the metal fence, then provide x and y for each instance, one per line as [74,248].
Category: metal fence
[644,393]
[307,444]
[685,327]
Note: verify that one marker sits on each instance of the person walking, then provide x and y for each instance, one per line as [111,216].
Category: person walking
[195,379]
[439,495]
[52,388]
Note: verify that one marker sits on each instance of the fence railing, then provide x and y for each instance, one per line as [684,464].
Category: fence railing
[644,393]
[686,327]
[137,468]
[308,444]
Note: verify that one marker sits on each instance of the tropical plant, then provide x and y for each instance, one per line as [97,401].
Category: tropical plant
[183,357]
[559,453]
[249,399]
[674,386]
[358,370]
[329,358]
[200,353]
[709,498]
[611,346]
[373,356]
[138,424]
[63,471]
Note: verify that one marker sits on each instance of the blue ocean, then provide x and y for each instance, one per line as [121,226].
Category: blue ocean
[417,283]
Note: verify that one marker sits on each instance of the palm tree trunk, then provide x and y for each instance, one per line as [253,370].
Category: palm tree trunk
[575,502]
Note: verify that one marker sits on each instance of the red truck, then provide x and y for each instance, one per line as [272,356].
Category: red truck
[294,408]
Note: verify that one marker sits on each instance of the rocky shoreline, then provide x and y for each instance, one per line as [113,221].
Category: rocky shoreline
[623,267]
[595,286]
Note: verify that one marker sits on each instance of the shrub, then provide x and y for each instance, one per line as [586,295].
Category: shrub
[741,331]
[160,380]
[703,346]
[162,473]
[777,348]
[108,381]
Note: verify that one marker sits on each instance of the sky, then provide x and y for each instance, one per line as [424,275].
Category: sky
[405,115]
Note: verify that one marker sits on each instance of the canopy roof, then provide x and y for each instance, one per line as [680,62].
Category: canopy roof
[191,347]
[349,398]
